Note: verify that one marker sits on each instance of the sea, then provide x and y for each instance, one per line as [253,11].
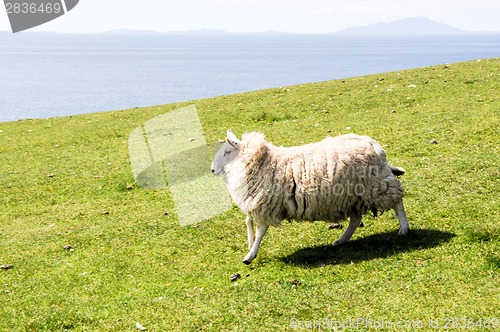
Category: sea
[53,74]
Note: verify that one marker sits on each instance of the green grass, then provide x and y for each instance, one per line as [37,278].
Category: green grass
[68,181]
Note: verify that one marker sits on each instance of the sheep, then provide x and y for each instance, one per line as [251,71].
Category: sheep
[332,180]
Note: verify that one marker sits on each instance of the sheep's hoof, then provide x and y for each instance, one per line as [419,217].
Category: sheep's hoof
[403,232]
[248,258]
[337,243]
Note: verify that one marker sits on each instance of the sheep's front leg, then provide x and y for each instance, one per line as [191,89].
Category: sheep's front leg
[261,231]
[353,224]
[250,232]
[404,227]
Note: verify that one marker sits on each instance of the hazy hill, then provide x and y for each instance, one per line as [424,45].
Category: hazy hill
[407,26]
[130,32]
[201,32]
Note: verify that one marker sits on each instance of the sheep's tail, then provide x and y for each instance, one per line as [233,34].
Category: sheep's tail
[397,170]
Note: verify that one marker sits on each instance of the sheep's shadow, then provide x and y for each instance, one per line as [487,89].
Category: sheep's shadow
[367,248]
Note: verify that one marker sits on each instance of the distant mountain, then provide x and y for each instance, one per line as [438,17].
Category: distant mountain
[202,32]
[131,32]
[269,33]
[407,26]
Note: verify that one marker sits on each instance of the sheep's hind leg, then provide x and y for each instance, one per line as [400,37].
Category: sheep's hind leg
[404,227]
[261,231]
[354,221]
[250,232]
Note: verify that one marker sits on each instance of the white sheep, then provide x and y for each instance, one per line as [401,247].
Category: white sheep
[339,177]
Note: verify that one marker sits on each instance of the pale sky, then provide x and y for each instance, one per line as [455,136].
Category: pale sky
[299,16]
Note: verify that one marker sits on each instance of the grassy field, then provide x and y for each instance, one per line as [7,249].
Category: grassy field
[91,251]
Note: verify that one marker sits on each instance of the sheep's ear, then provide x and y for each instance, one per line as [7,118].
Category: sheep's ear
[232,139]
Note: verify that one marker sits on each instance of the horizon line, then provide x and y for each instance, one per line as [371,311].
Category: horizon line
[220,32]
[348,31]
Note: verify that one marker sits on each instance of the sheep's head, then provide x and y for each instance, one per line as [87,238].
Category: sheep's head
[227,153]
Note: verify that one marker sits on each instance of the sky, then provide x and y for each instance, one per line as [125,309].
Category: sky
[297,16]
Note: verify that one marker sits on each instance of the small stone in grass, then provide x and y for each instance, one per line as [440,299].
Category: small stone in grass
[235,277]
[6,266]
[433,141]
[295,282]
[139,326]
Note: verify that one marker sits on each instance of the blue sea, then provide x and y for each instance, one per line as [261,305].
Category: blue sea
[48,75]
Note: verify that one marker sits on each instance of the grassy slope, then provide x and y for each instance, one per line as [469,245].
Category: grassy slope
[132,263]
